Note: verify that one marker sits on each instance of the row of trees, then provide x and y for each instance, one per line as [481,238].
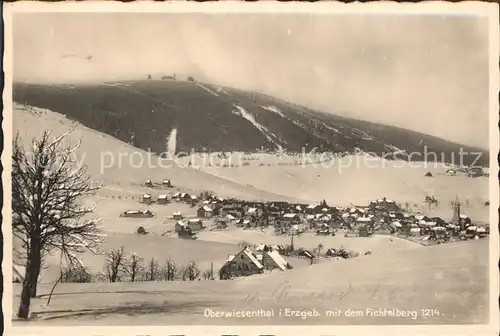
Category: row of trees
[121,266]
[49,183]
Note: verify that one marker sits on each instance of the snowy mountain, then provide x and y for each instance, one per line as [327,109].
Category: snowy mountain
[207,117]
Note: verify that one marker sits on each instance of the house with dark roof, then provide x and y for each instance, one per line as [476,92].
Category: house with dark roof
[205,212]
[195,224]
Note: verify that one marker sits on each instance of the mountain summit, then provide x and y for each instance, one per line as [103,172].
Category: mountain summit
[207,117]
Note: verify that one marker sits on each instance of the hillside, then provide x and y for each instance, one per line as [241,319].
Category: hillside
[111,162]
[212,118]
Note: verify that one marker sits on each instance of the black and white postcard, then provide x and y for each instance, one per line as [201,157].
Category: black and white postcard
[251,168]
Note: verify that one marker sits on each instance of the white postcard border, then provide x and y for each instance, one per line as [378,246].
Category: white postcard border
[490,10]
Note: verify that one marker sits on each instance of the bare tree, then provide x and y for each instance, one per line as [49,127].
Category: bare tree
[133,266]
[153,271]
[191,272]
[114,268]
[170,271]
[47,187]
[76,273]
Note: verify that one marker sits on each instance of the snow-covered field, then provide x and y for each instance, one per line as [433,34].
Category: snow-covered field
[452,278]
[120,166]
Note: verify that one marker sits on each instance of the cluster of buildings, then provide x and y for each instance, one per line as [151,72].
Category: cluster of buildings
[381,216]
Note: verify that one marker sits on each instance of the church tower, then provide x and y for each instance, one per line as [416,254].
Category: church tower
[456,214]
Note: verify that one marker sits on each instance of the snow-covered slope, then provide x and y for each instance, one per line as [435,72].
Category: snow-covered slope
[211,118]
[113,162]
[451,279]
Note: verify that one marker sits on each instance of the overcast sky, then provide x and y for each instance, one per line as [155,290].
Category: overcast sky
[428,74]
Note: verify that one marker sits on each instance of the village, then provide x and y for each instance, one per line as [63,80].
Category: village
[380,217]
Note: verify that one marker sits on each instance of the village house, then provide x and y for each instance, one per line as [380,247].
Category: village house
[178,196]
[167,183]
[471,231]
[465,221]
[246,223]
[186,233]
[415,230]
[205,212]
[230,209]
[324,218]
[253,212]
[146,199]
[162,199]
[137,214]
[324,230]
[244,263]
[439,221]
[311,219]
[397,226]
[422,219]
[313,209]
[177,215]
[195,224]
[295,229]
[357,212]
[271,260]
[193,200]
[131,213]
[438,233]
[179,226]
[290,219]
[349,219]
[482,231]
[325,210]
[274,211]
[383,204]
[148,183]
[335,221]
[363,220]
[184,197]
[475,172]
